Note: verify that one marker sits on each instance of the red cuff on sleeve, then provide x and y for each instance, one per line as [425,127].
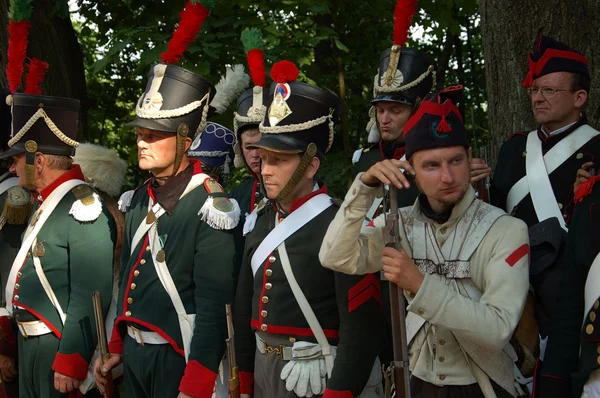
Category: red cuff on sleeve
[197,381]
[337,394]
[246,382]
[115,345]
[72,365]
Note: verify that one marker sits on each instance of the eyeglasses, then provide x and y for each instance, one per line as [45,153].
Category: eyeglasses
[547,92]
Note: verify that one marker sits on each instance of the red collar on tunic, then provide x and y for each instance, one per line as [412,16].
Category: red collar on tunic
[74,174]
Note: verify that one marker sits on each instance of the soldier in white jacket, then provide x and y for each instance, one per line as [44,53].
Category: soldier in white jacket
[463,264]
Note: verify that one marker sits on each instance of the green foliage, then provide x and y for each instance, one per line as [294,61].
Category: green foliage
[121,39]
[210,4]
[20,10]
[251,39]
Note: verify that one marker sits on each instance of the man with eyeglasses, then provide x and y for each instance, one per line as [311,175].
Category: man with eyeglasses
[535,173]
[558,83]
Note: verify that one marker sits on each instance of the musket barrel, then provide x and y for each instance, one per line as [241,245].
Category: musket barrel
[234,381]
[102,342]
[397,307]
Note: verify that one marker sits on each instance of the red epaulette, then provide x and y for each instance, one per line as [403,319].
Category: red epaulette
[585,189]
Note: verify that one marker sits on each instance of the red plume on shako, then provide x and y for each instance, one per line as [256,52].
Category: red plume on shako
[405,74]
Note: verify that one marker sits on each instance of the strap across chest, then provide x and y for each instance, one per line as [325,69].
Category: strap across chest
[292,223]
[38,220]
[156,210]
[538,169]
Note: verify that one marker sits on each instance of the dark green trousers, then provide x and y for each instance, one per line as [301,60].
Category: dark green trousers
[36,377]
[152,370]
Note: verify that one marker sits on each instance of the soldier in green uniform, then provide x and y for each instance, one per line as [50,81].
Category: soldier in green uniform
[571,362]
[66,253]
[177,260]
[301,330]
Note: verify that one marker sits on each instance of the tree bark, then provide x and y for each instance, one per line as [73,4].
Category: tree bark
[52,39]
[509,28]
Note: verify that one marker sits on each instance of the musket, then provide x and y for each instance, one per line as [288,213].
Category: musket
[400,365]
[234,381]
[102,342]
[483,186]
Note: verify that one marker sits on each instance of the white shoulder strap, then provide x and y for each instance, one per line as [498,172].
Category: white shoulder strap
[292,223]
[46,285]
[307,311]
[592,286]
[8,183]
[195,182]
[552,160]
[540,188]
[186,322]
[35,225]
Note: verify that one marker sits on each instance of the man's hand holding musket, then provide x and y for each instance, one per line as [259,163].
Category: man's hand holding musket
[102,369]
[462,265]
[398,267]
[392,171]
[107,386]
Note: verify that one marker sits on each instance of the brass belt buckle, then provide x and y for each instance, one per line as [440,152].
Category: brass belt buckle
[274,350]
[139,333]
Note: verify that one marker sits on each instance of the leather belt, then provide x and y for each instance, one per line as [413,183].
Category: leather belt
[143,337]
[33,328]
[281,351]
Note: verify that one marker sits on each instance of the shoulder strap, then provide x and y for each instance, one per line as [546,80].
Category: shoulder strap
[540,187]
[186,323]
[35,225]
[46,285]
[144,227]
[307,311]
[296,220]
[552,160]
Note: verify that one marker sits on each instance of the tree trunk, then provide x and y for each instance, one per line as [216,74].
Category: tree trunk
[509,28]
[51,39]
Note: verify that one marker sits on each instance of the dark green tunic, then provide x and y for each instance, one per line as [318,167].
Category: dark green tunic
[200,261]
[77,259]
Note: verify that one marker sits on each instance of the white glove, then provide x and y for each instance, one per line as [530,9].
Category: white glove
[305,373]
[592,386]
